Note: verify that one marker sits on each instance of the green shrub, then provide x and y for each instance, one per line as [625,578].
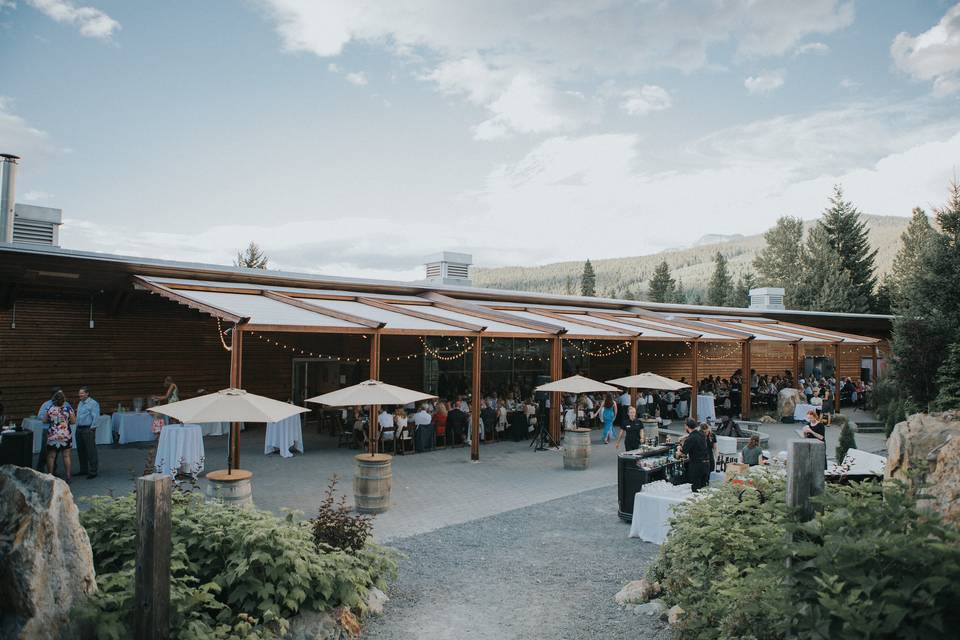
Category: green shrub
[846,441]
[234,572]
[869,566]
[337,526]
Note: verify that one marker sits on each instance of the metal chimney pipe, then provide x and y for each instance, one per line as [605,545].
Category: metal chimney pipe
[8,193]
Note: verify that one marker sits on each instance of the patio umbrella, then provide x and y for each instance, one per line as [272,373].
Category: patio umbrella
[576,384]
[369,393]
[229,405]
[649,381]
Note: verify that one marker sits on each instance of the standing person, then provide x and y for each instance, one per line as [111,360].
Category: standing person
[88,411]
[815,430]
[608,413]
[632,428]
[41,414]
[624,402]
[711,439]
[59,416]
[752,454]
[171,393]
[457,424]
[694,446]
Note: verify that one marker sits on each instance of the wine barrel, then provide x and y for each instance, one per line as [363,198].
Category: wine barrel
[576,449]
[372,483]
[234,489]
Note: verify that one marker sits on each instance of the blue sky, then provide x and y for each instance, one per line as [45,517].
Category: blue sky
[353,138]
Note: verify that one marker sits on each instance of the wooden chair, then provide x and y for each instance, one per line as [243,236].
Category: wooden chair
[406,440]
[346,437]
[392,441]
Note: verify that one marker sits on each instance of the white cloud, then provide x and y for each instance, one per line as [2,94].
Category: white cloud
[934,54]
[19,137]
[35,197]
[358,78]
[92,22]
[849,84]
[333,68]
[646,99]
[765,81]
[818,48]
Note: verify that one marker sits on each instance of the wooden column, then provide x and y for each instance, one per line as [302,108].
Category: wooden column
[745,348]
[236,382]
[875,372]
[374,409]
[556,399]
[795,366]
[475,404]
[805,477]
[836,379]
[695,379]
[634,368]
[152,572]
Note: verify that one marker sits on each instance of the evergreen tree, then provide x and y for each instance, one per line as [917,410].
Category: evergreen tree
[569,290]
[252,257]
[662,286]
[827,285]
[680,296]
[741,292]
[846,232]
[588,280]
[846,441]
[718,291]
[778,264]
[914,244]
[948,380]
[697,299]
[883,302]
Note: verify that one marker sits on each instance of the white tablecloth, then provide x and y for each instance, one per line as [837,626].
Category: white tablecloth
[652,510]
[801,410]
[283,435]
[39,433]
[215,428]
[133,426]
[104,430]
[727,445]
[705,408]
[180,449]
[682,408]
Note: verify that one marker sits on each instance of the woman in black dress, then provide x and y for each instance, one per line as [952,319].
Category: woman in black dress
[815,430]
[711,439]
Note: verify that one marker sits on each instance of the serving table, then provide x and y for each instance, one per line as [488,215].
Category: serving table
[642,466]
[180,450]
[133,426]
[284,435]
[653,507]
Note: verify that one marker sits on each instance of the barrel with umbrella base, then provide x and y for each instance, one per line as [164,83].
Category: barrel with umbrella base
[231,485]
[576,450]
[374,476]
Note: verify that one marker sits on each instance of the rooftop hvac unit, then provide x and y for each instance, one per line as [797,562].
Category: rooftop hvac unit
[447,267]
[767,298]
[37,225]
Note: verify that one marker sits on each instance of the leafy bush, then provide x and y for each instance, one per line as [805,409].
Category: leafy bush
[869,566]
[845,442]
[890,405]
[337,526]
[234,573]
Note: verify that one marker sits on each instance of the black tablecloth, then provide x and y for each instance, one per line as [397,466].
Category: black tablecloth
[17,448]
[423,438]
[518,425]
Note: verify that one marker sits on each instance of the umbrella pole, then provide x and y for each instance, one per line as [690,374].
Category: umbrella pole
[372,433]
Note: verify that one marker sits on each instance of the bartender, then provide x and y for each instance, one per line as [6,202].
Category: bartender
[694,446]
[632,430]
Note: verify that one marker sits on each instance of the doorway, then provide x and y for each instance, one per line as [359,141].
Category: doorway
[316,376]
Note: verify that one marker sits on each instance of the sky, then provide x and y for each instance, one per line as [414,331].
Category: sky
[354,138]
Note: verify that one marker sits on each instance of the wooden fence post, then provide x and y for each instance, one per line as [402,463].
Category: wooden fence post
[152,579]
[805,476]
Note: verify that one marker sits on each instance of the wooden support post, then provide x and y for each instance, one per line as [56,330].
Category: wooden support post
[556,399]
[875,371]
[152,572]
[746,365]
[634,368]
[836,379]
[372,434]
[695,379]
[805,477]
[236,382]
[475,404]
[795,366]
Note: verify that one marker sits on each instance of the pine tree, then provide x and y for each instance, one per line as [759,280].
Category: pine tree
[662,286]
[948,380]
[827,285]
[718,291]
[778,264]
[846,232]
[252,257]
[588,280]
[569,290]
[846,441]
[741,292]
[680,296]
[915,241]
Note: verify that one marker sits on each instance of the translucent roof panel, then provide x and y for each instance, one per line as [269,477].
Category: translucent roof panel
[705,332]
[569,325]
[292,291]
[392,319]
[263,310]
[491,325]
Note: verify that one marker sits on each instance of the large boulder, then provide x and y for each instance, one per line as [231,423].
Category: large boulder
[944,479]
[47,564]
[911,442]
[787,401]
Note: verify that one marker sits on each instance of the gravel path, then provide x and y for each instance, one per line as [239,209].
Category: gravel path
[545,571]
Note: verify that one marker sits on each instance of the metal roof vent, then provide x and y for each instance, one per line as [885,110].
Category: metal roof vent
[448,267]
[767,298]
[37,225]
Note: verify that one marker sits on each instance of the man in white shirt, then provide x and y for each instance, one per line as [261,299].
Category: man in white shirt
[421,418]
[385,421]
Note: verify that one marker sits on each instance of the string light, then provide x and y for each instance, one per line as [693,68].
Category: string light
[604,352]
[220,334]
[467,347]
[304,352]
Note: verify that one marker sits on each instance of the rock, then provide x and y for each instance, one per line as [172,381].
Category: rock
[47,563]
[674,614]
[314,625]
[912,441]
[767,419]
[787,401]
[375,601]
[944,479]
[636,592]
[654,608]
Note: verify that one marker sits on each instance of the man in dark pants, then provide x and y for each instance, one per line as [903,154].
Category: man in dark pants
[88,410]
[698,465]
[457,425]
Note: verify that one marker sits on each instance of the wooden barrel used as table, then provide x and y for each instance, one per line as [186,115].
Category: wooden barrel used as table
[576,449]
[234,489]
[372,482]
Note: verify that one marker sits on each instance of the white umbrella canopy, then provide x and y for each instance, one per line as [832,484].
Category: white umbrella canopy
[649,381]
[576,384]
[229,405]
[368,393]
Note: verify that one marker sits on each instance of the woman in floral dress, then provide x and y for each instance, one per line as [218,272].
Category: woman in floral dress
[59,416]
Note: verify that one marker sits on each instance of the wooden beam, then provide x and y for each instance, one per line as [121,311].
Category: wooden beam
[836,381]
[379,304]
[745,386]
[556,398]
[152,569]
[372,434]
[586,323]
[315,308]
[236,382]
[470,309]
[170,294]
[830,332]
[634,369]
[632,320]
[796,365]
[657,317]
[695,382]
[475,401]
[874,372]
[805,477]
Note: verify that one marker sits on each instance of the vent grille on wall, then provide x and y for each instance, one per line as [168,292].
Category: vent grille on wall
[33,232]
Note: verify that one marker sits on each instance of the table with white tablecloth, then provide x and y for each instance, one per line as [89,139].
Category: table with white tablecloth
[283,436]
[682,408]
[653,508]
[801,411]
[133,426]
[215,428]
[706,408]
[104,425]
[180,450]
[38,428]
